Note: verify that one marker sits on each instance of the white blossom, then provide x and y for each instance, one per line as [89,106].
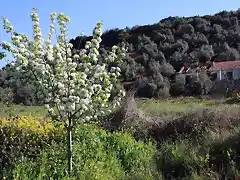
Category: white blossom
[53,67]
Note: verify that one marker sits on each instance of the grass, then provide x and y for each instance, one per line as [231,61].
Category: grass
[20,110]
[186,129]
[181,106]
[173,107]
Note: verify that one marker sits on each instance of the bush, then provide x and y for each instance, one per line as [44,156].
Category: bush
[178,161]
[153,86]
[24,137]
[119,153]
[97,154]
[6,95]
[131,119]
[178,88]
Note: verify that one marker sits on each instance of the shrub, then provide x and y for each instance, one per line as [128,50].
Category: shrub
[6,95]
[24,137]
[118,153]
[132,119]
[97,155]
[224,156]
[178,88]
[178,161]
[153,86]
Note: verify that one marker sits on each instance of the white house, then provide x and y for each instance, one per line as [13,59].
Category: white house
[226,70]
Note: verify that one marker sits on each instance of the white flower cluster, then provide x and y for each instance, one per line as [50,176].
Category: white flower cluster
[80,95]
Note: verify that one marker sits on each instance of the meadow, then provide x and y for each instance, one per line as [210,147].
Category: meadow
[21,110]
[180,106]
[162,108]
[176,138]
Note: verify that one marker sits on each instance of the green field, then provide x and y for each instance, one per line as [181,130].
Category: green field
[191,140]
[20,110]
[163,108]
[182,106]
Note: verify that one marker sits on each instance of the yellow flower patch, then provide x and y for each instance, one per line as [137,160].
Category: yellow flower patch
[30,124]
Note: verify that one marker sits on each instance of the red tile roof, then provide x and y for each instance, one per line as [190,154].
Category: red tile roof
[140,75]
[225,65]
[132,54]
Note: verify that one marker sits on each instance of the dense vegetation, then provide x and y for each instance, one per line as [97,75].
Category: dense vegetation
[161,49]
[192,139]
[157,51]
[32,148]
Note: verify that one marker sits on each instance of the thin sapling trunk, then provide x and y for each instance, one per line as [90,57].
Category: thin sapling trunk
[69,132]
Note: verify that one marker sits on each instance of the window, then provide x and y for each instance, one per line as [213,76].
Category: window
[214,76]
[230,75]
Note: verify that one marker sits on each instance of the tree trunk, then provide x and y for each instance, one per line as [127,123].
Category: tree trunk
[69,131]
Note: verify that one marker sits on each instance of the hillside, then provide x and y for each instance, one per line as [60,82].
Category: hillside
[179,40]
[163,48]
[156,53]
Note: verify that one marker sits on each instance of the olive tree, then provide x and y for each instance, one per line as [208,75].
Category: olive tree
[76,87]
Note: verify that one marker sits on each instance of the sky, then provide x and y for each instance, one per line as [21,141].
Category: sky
[115,14]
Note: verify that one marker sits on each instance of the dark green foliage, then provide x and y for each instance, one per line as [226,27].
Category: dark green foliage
[6,95]
[97,155]
[175,42]
[176,34]
[17,89]
[225,157]
[153,86]
[178,88]
[177,161]
[162,48]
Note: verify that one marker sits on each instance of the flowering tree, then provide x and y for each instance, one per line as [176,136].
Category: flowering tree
[76,87]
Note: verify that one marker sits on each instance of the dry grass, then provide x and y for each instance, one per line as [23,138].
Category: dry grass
[130,117]
[198,119]
[209,126]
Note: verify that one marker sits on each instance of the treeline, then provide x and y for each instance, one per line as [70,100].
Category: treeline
[160,50]
[14,88]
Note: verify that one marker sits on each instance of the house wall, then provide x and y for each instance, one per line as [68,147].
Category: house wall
[221,75]
[236,74]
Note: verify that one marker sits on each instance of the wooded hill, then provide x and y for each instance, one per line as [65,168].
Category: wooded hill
[162,49]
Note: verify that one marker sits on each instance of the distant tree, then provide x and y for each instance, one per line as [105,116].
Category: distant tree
[205,82]
[185,29]
[205,53]
[178,87]
[229,54]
